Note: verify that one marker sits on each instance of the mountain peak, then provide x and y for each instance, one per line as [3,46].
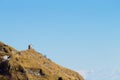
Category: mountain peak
[31,65]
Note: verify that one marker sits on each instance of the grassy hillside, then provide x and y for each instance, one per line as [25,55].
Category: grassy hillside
[31,65]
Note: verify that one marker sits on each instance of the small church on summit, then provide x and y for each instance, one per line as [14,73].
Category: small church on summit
[29,46]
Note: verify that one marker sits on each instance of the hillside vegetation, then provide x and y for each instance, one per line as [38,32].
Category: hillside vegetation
[31,65]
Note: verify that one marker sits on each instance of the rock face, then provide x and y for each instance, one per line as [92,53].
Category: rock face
[31,65]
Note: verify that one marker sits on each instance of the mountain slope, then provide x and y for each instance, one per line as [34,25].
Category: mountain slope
[31,65]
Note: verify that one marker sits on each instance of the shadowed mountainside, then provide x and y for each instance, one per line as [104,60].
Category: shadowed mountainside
[31,65]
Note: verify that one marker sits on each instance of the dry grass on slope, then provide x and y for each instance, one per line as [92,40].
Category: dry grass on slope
[32,65]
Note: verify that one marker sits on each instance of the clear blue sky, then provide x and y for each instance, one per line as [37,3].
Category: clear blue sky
[78,34]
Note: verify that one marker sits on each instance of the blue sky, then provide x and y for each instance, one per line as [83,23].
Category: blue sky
[78,34]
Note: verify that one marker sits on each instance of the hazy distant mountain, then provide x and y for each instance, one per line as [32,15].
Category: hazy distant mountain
[101,74]
[31,65]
